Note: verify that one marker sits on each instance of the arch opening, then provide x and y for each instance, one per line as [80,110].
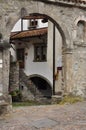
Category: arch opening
[35,50]
[42,87]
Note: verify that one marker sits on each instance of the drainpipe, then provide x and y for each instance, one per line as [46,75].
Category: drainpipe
[53,59]
[21,24]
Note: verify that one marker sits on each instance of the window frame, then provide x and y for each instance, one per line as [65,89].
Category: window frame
[41,46]
[33,23]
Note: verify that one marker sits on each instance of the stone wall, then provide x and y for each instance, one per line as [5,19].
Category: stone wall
[14,76]
[79,70]
[5,70]
[65,15]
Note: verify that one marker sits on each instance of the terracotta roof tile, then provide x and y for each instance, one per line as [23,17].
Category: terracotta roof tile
[29,33]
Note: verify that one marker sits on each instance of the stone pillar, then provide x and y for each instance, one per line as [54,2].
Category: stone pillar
[68,71]
[6,66]
[14,76]
[5,98]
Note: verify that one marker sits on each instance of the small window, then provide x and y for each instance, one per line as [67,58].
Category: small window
[81,30]
[40,52]
[33,23]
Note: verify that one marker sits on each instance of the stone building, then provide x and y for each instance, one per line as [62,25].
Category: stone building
[69,17]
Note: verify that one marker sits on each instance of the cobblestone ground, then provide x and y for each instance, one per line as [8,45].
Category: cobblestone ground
[53,117]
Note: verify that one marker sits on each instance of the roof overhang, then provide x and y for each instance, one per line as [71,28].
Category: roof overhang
[28,33]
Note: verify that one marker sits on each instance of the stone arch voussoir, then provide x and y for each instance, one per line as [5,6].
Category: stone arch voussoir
[22,11]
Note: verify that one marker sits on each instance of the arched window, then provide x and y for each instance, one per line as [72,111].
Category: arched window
[81,30]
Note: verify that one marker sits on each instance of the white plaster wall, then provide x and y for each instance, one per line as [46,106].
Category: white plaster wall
[58,61]
[40,68]
[50,45]
[58,54]
[17,26]
[13,52]
[58,47]
[44,69]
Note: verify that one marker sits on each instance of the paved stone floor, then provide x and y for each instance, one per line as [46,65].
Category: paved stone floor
[53,117]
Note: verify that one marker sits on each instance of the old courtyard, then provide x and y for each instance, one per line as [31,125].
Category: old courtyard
[46,117]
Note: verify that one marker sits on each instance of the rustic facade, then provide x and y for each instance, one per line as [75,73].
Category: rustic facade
[70,19]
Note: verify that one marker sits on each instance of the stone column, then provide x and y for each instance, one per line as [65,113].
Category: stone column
[68,71]
[5,98]
[6,66]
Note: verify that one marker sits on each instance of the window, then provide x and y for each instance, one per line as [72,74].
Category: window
[81,30]
[33,23]
[40,52]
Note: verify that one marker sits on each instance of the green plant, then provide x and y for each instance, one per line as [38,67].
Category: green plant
[16,95]
[28,103]
[71,99]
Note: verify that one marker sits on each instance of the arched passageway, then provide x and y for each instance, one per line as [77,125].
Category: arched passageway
[63,17]
[34,59]
[24,8]
[42,87]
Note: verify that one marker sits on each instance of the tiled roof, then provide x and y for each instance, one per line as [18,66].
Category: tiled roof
[29,33]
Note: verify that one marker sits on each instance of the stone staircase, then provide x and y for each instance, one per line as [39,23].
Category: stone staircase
[32,93]
[25,82]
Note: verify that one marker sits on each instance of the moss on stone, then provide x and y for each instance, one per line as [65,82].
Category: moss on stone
[71,99]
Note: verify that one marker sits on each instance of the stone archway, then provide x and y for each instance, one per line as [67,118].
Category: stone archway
[13,14]
[30,8]
[63,42]
[63,14]
[56,26]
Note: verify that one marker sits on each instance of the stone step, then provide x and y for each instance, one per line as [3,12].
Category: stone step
[25,82]
[56,99]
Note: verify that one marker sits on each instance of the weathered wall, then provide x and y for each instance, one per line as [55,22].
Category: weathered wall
[14,76]
[6,69]
[65,17]
[58,54]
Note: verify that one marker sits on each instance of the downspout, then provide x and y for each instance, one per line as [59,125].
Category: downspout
[21,24]
[53,59]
